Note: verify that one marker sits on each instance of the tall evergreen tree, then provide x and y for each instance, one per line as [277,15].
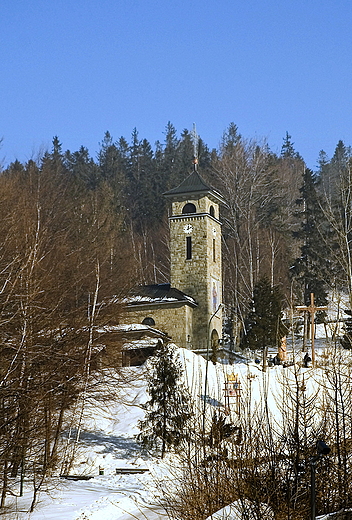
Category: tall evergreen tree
[145,200]
[170,156]
[312,269]
[184,156]
[333,173]
[264,327]
[231,137]
[169,408]
[113,162]
[287,149]
[82,167]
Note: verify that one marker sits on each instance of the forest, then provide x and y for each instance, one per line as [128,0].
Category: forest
[281,221]
[78,232]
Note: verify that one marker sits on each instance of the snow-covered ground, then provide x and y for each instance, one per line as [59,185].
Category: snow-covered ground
[108,444]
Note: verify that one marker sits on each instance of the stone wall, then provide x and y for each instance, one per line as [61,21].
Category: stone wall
[176,320]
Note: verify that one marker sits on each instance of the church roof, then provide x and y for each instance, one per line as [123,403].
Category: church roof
[158,293]
[193,184]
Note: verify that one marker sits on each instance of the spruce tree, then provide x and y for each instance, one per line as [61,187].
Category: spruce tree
[82,168]
[333,172]
[170,156]
[287,149]
[231,137]
[112,162]
[312,269]
[169,408]
[264,326]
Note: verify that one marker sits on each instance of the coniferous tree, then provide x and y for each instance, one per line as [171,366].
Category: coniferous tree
[312,269]
[112,163]
[82,167]
[169,407]
[231,137]
[287,149]
[170,156]
[185,153]
[264,327]
[333,172]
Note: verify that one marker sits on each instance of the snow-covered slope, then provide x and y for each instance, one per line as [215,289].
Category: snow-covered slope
[108,444]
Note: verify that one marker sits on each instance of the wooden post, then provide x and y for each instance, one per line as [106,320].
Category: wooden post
[312,309]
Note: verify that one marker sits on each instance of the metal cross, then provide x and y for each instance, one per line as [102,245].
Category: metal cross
[312,309]
[195,140]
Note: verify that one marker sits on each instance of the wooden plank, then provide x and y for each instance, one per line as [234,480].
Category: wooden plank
[126,471]
[77,477]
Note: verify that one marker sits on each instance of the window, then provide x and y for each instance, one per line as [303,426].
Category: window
[212,211]
[188,248]
[214,250]
[188,208]
[148,321]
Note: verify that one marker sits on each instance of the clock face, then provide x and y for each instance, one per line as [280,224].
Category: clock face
[188,228]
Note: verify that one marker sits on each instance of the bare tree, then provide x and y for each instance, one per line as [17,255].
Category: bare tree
[61,273]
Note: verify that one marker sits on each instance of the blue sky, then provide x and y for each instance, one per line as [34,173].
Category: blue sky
[78,68]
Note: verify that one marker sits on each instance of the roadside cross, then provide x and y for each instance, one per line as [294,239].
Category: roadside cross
[312,309]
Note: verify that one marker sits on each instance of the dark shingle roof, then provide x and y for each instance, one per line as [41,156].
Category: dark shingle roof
[192,184]
[158,293]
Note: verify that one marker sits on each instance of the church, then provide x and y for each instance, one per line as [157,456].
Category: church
[188,309]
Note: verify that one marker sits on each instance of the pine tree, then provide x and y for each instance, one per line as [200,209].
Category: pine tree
[82,168]
[264,326]
[231,137]
[113,163]
[169,408]
[312,269]
[333,172]
[184,156]
[287,149]
[170,156]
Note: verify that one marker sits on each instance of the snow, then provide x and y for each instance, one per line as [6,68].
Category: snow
[150,299]
[107,442]
[235,511]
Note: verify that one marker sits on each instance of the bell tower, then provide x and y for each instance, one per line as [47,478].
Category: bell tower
[196,261]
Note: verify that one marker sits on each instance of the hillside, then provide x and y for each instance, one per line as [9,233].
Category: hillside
[107,443]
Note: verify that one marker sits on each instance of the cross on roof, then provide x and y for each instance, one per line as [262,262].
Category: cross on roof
[195,140]
[312,309]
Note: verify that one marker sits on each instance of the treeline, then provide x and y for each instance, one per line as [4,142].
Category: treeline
[282,221]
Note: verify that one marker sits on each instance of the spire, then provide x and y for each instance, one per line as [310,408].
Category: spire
[195,140]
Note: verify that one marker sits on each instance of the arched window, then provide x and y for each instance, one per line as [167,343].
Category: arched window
[148,321]
[188,208]
[212,211]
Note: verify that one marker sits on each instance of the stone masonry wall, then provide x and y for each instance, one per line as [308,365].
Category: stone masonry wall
[176,321]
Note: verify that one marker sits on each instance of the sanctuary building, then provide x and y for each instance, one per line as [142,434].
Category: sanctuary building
[189,308]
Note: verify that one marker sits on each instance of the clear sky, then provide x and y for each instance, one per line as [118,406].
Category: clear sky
[77,68]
